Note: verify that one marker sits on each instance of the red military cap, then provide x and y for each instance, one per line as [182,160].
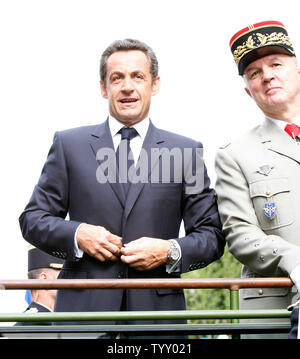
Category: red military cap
[247,44]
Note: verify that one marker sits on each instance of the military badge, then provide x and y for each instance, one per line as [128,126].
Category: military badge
[265,169]
[270,209]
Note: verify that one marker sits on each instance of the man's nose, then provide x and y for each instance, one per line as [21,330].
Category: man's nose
[268,74]
[127,84]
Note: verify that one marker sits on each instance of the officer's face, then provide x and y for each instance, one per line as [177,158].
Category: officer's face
[273,82]
[129,86]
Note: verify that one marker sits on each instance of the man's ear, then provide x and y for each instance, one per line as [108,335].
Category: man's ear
[103,90]
[155,86]
[44,275]
[248,92]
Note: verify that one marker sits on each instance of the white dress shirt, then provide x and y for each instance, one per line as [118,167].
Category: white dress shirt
[137,142]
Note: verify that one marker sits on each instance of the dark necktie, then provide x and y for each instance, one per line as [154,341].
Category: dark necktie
[124,156]
[293,130]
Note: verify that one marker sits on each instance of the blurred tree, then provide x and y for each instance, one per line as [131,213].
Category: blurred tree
[212,299]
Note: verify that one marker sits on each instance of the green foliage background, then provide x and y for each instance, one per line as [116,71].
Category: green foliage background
[212,299]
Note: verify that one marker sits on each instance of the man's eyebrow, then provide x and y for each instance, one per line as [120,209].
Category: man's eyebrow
[249,69]
[115,73]
[255,67]
[275,58]
[134,72]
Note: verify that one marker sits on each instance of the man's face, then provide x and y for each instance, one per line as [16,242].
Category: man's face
[273,82]
[129,86]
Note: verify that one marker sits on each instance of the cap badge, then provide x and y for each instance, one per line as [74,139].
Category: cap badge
[257,40]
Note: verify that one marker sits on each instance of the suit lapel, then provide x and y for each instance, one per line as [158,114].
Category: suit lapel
[153,141]
[278,141]
[100,139]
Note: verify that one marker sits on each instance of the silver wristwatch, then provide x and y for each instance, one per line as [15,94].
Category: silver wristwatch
[173,253]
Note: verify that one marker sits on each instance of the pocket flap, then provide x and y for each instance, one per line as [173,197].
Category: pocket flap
[268,188]
[249,293]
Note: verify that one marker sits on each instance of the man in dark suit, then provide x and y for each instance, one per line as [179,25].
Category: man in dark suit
[113,231]
[294,332]
[41,266]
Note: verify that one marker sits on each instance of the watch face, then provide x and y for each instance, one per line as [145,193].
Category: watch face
[174,254]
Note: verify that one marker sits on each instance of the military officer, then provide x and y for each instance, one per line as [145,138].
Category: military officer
[258,174]
[41,266]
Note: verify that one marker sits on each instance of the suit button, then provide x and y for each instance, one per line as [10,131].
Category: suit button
[120,275]
[260,292]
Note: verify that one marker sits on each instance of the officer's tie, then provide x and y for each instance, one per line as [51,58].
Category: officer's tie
[125,156]
[293,130]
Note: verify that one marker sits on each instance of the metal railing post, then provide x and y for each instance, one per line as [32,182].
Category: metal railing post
[234,299]
[234,305]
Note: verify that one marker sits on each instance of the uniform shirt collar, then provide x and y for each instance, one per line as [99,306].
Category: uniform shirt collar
[282,124]
[45,306]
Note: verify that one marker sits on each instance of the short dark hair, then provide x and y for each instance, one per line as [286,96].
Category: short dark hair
[128,45]
[35,273]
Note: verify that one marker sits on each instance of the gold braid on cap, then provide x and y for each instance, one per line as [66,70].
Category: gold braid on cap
[56,265]
[264,39]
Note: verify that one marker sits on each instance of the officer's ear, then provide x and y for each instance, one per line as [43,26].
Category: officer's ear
[43,275]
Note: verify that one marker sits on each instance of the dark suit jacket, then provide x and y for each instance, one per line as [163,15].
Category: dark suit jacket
[35,308]
[68,184]
[293,334]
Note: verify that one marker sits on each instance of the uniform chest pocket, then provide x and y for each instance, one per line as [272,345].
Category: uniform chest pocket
[273,203]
